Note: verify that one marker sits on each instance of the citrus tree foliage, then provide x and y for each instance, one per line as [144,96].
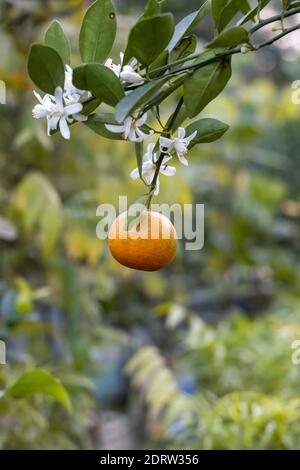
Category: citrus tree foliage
[67,309]
[246,394]
[159,60]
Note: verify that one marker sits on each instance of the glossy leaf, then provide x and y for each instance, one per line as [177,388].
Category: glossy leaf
[46,68]
[187,24]
[90,106]
[56,38]
[208,130]
[40,209]
[225,10]
[250,15]
[40,382]
[149,37]
[186,47]
[230,38]
[100,81]
[161,60]
[139,152]
[137,97]
[205,84]
[154,7]
[98,32]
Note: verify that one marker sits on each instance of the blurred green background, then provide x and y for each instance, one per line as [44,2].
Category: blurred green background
[195,356]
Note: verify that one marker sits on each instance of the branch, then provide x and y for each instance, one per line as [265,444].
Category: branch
[279,36]
[256,28]
[273,19]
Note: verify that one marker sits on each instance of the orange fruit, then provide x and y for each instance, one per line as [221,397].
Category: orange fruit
[147,246]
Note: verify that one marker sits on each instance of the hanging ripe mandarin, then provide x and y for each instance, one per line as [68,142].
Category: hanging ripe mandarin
[148,246]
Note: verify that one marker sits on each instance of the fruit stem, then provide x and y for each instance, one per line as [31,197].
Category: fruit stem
[159,162]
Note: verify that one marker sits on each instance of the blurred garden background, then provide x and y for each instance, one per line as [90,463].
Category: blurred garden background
[197,356]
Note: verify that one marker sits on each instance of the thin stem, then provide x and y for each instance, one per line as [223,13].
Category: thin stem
[199,65]
[256,28]
[231,52]
[273,19]
[162,155]
[279,36]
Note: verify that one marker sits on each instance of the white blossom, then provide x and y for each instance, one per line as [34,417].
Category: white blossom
[56,111]
[125,73]
[73,95]
[131,129]
[149,168]
[62,108]
[179,145]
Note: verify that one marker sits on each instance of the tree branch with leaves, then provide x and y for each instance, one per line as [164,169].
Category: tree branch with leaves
[160,59]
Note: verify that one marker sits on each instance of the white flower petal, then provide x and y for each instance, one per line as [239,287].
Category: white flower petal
[53,121]
[141,121]
[108,63]
[165,142]
[127,127]
[80,117]
[149,174]
[133,137]
[181,133]
[168,170]
[64,128]
[149,157]
[115,129]
[38,97]
[58,95]
[141,135]
[183,160]
[191,137]
[135,174]
[73,109]
[130,76]
[40,111]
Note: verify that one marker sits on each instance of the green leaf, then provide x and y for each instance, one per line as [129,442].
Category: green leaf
[208,130]
[165,92]
[154,7]
[186,47]
[40,382]
[98,32]
[161,60]
[205,84]
[250,16]
[137,97]
[187,24]
[97,122]
[40,209]
[100,81]
[225,10]
[89,106]
[230,38]
[139,152]
[149,37]
[46,68]
[56,38]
